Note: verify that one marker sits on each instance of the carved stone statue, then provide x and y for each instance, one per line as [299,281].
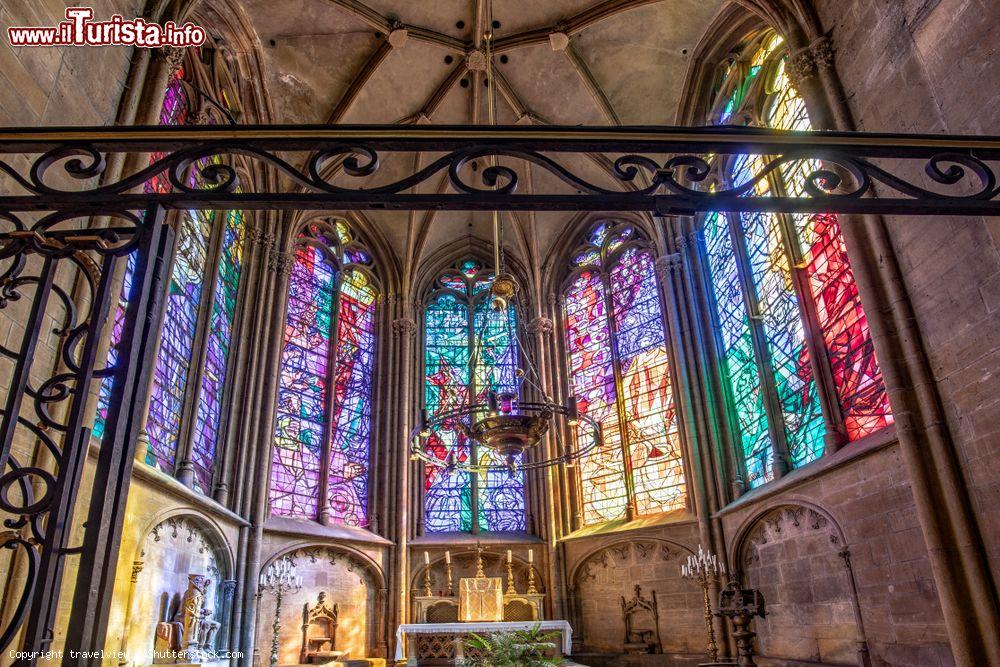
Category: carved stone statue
[187,631]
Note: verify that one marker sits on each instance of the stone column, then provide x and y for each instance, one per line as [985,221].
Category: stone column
[276,285]
[404,329]
[224,612]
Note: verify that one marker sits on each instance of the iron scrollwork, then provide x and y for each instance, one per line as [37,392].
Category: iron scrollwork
[664,168]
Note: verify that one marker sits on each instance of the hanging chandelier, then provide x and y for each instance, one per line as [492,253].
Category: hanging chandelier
[508,426]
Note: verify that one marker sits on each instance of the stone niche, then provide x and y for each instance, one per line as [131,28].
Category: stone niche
[173,550]
[792,555]
[612,572]
[348,583]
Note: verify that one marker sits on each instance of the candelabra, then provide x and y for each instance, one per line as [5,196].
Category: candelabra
[740,605]
[280,578]
[705,570]
[531,573]
[510,574]
[427,575]
[451,586]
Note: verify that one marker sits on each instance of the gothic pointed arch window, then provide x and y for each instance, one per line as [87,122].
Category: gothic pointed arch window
[469,350]
[619,372]
[322,440]
[192,372]
[798,363]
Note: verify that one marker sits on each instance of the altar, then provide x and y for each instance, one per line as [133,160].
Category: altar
[443,641]
[481,604]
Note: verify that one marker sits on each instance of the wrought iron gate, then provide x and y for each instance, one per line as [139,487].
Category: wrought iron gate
[49,231]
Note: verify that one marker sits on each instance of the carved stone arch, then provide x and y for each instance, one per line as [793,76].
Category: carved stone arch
[176,518]
[796,509]
[645,547]
[368,564]
[174,544]
[606,576]
[795,552]
[324,560]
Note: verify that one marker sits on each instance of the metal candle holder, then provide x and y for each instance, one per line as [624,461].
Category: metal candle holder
[279,578]
[705,570]
[510,576]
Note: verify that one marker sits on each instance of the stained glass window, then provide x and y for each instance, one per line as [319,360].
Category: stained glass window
[620,376]
[458,315]
[173,112]
[323,432]
[776,277]
[192,302]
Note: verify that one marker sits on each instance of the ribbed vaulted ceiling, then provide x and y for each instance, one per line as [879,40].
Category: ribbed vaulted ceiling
[567,62]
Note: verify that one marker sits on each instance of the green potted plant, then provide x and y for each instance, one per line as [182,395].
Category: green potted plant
[513,648]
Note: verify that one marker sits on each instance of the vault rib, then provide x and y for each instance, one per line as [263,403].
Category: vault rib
[350,95]
[593,87]
[571,25]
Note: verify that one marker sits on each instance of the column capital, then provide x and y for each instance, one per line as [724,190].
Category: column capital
[171,55]
[541,325]
[280,262]
[136,569]
[404,326]
[667,264]
[806,62]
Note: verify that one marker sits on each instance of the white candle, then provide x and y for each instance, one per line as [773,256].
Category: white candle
[447,557]
[531,555]
[510,556]
[427,558]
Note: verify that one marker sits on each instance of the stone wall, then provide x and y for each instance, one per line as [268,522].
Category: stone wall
[792,554]
[60,86]
[866,492]
[175,548]
[347,582]
[940,55]
[607,568]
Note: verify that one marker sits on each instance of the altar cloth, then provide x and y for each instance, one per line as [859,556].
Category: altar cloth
[480,628]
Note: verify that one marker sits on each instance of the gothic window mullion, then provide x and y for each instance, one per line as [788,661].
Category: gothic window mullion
[765,369]
[623,421]
[186,435]
[330,408]
[575,473]
[834,434]
[725,373]
[230,370]
[473,394]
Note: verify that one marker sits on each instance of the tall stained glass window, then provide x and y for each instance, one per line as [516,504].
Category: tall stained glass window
[322,442]
[620,375]
[469,350]
[173,112]
[777,277]
[200,307]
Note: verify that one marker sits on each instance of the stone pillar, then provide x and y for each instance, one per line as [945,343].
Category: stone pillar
[224,612]
[404,329]
[257,471]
